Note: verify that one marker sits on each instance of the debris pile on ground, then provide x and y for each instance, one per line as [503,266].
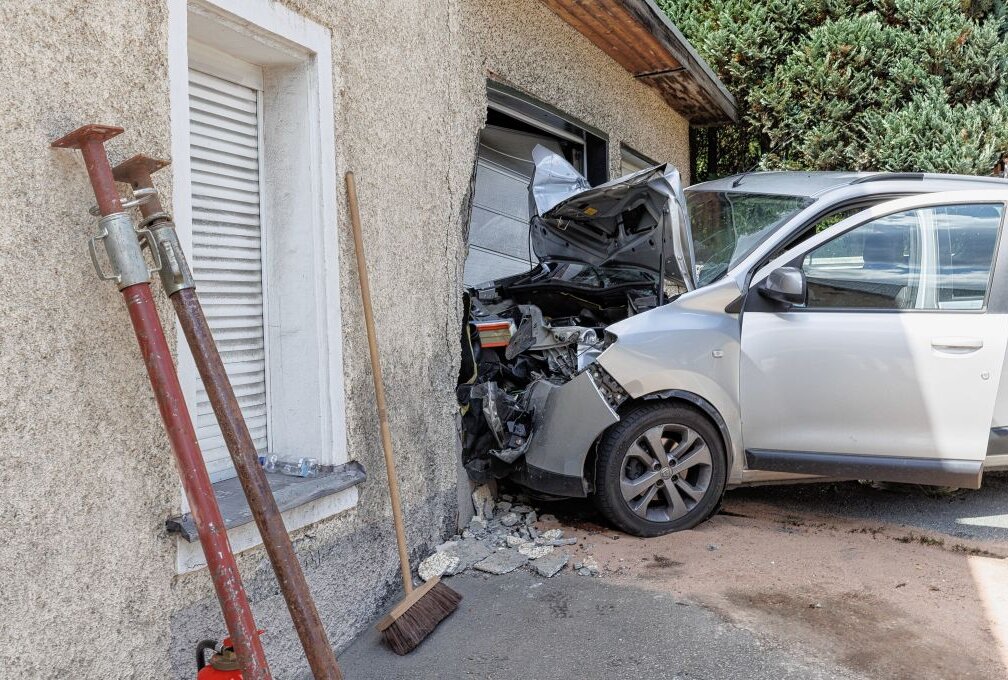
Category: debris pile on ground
[587,567]
[502,537]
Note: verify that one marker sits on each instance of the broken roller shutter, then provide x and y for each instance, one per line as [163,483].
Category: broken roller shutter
[227,251]
[498,231]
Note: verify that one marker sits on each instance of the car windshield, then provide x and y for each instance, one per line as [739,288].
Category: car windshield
[728,225]
[600,277]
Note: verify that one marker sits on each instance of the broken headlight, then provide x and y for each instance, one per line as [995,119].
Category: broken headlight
[611,391]
[588,352]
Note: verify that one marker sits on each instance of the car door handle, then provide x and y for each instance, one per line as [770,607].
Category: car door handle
[956,344]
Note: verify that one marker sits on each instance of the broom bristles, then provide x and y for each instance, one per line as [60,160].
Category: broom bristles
[411,627]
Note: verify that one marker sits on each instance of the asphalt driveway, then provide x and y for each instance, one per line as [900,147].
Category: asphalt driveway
[811,581]
[522,626]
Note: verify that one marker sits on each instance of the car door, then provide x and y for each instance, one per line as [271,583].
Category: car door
[890,367]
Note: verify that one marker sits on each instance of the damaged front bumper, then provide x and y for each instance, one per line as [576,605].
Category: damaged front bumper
[566,421]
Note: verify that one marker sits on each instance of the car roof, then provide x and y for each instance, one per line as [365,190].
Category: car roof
[815,184]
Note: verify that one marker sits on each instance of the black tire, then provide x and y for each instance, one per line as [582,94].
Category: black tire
[622,465]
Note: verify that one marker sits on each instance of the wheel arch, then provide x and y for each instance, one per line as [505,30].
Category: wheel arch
[671,396]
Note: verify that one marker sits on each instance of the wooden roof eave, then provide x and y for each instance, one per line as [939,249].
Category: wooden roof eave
[641,38]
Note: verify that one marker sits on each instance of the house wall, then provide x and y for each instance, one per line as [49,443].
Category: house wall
[86,479]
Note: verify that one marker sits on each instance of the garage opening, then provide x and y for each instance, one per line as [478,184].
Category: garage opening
[499,228]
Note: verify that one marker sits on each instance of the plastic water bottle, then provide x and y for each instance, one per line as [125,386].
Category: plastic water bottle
[294,467]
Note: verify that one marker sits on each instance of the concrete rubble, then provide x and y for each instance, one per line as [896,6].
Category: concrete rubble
[551,564]
[589,566]
[437,564]
[502,536]
[502,561]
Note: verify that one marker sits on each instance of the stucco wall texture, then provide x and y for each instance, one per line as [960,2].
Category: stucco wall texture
[89,588]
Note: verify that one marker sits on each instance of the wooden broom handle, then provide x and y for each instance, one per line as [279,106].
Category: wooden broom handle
[372,338]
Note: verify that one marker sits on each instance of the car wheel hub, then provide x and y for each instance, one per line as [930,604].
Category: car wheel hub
[666,472]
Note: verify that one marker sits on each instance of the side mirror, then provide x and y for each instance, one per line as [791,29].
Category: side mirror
[785,284]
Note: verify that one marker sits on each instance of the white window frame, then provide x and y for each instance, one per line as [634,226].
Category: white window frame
[634,157]
[296,55]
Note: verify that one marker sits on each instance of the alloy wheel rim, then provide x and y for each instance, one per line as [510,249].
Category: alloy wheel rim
[666,472]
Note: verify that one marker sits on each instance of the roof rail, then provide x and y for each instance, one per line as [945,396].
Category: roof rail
[883,176]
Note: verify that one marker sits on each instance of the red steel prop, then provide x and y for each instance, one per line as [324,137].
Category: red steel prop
[178,284]
[130,272]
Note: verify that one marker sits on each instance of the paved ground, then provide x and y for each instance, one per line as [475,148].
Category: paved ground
[811,581]
[521,626]
[981,514]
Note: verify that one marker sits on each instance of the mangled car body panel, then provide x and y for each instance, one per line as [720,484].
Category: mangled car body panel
[636,221]
[567,419]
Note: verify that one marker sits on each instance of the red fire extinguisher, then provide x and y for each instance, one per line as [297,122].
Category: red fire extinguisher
[223,665]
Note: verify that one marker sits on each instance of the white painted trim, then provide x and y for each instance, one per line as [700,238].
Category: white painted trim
[178,98]
[264,254]
[189,556]
[204,58]
[265,32]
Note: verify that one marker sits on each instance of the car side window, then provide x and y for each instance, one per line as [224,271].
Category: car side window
[932,258]
[826,221]
[966,241]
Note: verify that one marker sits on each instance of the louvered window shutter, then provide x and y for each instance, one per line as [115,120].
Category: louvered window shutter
[227,251]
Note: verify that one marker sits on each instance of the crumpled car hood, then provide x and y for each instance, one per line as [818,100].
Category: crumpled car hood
[625,222]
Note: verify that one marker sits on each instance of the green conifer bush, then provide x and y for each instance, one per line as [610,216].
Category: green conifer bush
[903,85]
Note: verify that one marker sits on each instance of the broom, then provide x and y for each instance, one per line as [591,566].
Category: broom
[425,607]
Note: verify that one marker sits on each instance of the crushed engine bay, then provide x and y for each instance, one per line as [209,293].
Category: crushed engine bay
[602,252]
[513,344]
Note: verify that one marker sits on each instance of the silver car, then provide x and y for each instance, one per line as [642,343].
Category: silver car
[765,327]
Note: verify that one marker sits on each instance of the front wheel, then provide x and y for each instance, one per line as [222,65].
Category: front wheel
[662,468]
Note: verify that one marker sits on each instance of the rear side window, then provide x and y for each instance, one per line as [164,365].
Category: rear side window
[936,258]
[967,239]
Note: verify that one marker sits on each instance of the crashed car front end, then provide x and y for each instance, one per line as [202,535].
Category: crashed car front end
[534,401]
[534,415]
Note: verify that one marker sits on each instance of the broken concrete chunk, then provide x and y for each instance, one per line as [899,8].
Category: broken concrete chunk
[521,509]
[552,534]
[531,518]
[501,562]
[488,509]
[514,541]
[477,524]
[480,495]
[502,506]
[556,541]
[509,520]
[507,497]
[550,565]
[438,564]
[533,551]
[583,571]
[469,553]
[446,546]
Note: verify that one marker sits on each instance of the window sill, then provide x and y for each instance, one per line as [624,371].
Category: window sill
[289,492]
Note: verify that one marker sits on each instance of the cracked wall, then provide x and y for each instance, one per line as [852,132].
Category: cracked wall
[88,480]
